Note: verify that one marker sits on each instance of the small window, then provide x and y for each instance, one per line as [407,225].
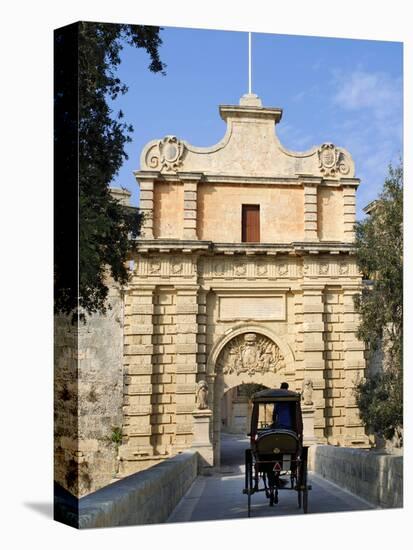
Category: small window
[250,223]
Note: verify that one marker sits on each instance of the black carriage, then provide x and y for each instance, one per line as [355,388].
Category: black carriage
[277,458]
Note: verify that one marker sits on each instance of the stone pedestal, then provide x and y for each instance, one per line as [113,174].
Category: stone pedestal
[307,412]
[202,440]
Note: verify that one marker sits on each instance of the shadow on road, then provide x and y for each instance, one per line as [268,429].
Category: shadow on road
[233,453]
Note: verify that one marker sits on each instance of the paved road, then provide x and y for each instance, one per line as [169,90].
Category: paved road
[220,496]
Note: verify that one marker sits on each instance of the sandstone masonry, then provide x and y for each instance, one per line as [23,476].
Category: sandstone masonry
[198,290]
[206,304]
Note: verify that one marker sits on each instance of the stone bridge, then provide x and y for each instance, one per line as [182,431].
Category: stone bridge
[342,480]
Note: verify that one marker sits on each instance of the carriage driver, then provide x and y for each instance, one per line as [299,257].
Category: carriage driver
[281,416]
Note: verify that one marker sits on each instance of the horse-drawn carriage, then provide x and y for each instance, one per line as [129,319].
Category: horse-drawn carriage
[276,447]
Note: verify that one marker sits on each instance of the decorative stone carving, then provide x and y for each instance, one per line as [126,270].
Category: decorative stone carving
[282,269]
[167,154]
[343,269]
[219,269]
[176,267]
[323,269]
[332,161]
[202,395]
[240,270]
[342,164]
[154,266]
[307,392]
[262,269]
[250,353]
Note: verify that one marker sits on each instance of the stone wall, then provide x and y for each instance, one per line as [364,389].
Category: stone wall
[89,398]
[181,305]
[196,285]
[142,498]
[161,345]
[283,211]
[65,402]
[168,207]
[220,207]
[374,476]
[330,209]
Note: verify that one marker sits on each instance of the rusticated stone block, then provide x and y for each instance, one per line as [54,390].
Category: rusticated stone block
[186,348]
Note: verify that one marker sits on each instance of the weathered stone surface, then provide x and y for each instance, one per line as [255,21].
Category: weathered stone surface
[142,498]
[197,294]
[374,476]
[88,399]
[250,148]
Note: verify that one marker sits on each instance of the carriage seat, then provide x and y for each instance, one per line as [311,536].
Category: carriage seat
[277,441]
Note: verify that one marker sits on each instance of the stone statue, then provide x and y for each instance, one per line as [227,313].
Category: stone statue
[307,394]
[202,395]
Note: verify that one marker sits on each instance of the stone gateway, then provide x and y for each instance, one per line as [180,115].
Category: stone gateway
[243,278]
[244,274]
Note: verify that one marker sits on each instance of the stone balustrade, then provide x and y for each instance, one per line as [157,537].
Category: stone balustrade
[141,498]
[377,477]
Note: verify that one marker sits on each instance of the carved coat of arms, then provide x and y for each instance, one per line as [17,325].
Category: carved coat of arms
[250,353]
[331,160]
[166,154]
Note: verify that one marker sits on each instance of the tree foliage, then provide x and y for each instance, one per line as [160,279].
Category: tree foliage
[379,242]
[105,226]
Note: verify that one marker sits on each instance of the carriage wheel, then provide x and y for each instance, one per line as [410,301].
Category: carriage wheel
[248,477]
[292,479]
[298,480]
[304,486]
[305,500]
[273,496]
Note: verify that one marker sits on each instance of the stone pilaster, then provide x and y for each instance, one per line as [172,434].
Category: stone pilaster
[202,438]
[146,199]
[313,350]
[310,211]
[299,339]
[190,182]
[138,370]
[308,424]
[202,332]
[186,363]
[349,212]
[334,373]
[354,367]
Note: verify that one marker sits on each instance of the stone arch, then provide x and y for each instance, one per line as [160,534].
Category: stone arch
[275,359]
[242,329]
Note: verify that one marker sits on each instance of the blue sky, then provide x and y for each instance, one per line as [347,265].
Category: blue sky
[348,92]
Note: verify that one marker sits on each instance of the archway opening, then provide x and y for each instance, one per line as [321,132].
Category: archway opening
[236,409]
[246,355]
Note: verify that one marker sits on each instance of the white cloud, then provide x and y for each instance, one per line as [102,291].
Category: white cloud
[369,107]
[378,93]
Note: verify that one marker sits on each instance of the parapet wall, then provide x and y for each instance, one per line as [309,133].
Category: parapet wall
[376,477]
[142,498]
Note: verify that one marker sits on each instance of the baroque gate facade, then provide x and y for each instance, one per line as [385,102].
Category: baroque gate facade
[244,273]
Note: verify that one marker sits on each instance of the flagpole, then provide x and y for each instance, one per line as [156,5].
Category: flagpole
[249,62]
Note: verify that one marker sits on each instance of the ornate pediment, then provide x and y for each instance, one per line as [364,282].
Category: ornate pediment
[250,148]
[250,353]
